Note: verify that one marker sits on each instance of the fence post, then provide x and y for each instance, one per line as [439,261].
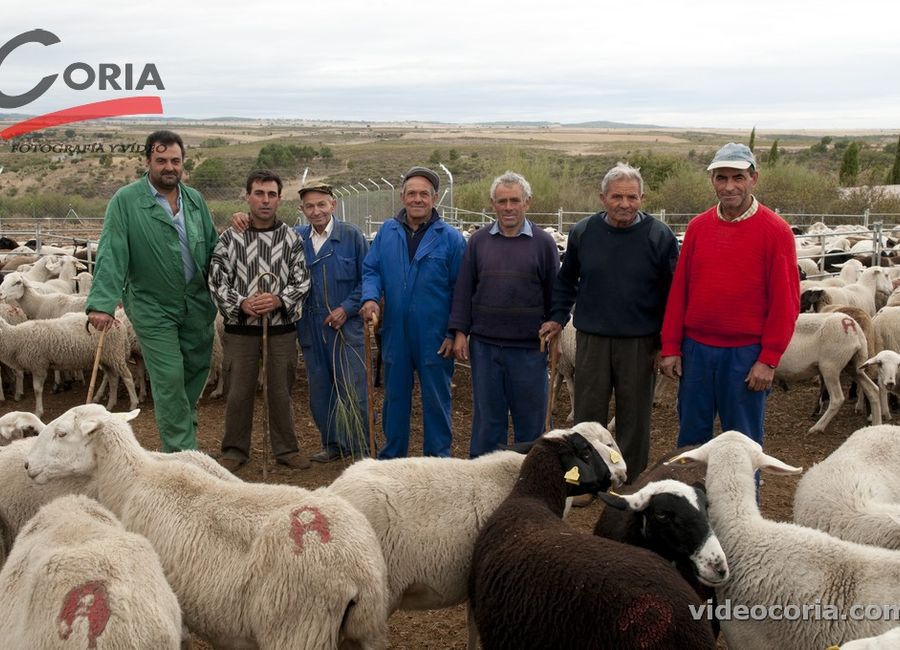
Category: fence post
[662,216]
[866,217]
[822,256]
[559,217]
[876,244]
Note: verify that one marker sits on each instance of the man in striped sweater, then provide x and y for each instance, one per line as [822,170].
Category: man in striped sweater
[732,306]
[245,294]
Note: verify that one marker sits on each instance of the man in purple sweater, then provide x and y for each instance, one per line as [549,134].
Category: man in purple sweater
[502,296]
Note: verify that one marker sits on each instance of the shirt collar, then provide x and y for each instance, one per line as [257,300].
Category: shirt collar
[524,230]
[754,206]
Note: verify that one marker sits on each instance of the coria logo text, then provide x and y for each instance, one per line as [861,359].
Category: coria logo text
[82,76]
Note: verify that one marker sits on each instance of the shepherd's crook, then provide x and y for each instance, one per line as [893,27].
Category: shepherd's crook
[265,372]
[554,357]
[90,394]
[370,384]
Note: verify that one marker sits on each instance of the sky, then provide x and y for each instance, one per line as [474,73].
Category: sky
[786,64]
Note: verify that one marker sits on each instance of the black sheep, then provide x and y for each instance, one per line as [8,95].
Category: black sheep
[536,582]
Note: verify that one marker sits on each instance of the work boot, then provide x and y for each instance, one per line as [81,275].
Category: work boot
[326,456]
[294,461]
[232,464]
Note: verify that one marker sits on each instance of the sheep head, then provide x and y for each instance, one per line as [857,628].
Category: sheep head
[731,439]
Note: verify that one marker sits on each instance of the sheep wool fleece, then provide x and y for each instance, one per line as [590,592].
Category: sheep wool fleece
[417,297]
[140,251]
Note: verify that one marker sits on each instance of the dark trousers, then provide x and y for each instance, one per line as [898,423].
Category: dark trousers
[242,362]
[506,381]
[605,364]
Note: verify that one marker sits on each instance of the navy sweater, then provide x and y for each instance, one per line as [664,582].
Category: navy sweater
[617,278]
[504,287]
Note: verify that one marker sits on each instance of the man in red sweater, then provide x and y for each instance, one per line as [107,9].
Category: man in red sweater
[732,306]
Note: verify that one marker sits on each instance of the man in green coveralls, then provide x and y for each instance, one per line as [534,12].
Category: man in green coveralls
[157,241]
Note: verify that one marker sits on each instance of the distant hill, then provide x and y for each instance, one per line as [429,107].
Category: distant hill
[603,124]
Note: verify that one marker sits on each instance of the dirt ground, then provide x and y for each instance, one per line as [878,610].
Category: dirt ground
[788,418]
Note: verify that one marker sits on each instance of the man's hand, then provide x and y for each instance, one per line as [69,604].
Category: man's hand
[549,330]
[336,318]
[446,349]
[100,319]
[760,377]
[461,347]
[240,221]
[260,304]
[670,366]
[368,310]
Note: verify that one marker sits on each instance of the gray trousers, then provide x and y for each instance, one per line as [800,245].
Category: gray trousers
[605,364]
[242,363]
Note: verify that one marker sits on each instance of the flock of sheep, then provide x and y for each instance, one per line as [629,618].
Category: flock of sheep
[104,544]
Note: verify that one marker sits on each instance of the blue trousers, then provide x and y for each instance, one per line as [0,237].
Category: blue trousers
[712,383]
[434,381]
[506,380]
[335,370]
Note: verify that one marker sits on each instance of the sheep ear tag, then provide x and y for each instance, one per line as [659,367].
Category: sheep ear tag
[614,456]
[573,476]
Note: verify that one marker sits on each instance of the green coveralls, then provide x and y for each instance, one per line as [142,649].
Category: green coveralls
[139,263]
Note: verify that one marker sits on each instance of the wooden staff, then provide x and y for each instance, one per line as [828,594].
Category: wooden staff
[370,383]
[554,357]
[90,394]
[265,372]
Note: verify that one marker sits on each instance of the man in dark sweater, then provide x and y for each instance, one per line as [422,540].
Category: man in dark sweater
[501,298]
[617,272]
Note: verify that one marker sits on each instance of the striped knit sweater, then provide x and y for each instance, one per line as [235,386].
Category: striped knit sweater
[237,262]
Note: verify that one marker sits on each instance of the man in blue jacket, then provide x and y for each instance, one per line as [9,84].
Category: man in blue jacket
[413,262]
[331,331]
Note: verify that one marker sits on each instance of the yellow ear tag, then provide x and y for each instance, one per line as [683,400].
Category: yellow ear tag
[615,494]
[573,476]
[833,647]
[614,456]
[682,460]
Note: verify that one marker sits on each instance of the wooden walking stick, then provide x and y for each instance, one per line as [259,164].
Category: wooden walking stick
[551,394]
[370,383]
[265,372]
[90,394]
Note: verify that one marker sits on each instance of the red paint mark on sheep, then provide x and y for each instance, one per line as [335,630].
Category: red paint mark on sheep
[651,614]
[849,324]
[89,601]
[317,523]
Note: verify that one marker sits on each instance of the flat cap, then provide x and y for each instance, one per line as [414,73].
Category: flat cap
[424,172]
[735,156]
[317,186]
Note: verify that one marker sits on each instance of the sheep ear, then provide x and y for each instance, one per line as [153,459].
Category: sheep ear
[690,458]
[131,415]
[871,362]
[627,502]
[771,465]
[88,425]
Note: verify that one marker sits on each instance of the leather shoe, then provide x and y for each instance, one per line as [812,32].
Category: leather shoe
[294,461]
[232,464]
[326,456]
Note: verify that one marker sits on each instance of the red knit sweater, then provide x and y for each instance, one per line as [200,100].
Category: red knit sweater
[736,284]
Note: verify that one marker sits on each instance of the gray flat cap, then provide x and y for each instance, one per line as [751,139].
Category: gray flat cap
[424,172]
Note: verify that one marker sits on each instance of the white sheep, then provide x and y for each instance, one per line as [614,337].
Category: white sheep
[76,579]
[887,329]
[65,344]
[38,305]
[427,513]
[68,269]
[565,366]
[860,294]
[21,498]
[12,314]
[16,425]
[783,564]
[886,363]
[854,494]
[826,345]
[887,641]
[253,565]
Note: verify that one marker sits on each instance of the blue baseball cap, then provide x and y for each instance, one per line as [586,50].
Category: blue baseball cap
[735,156]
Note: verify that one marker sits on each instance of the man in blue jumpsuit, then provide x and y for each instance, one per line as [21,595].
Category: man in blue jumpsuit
[413,263]
[330,330]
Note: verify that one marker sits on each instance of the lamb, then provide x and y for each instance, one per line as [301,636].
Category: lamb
[665,511]
[37,305]
[887,329]
[783,564]
[12,314]
[64,344]
[886,363]
[537,582]
[22,497]
[16,425]
[76,578]
[565,367]
[854,494]
[69,268]
[826,345]
[417,505]
[302,569]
